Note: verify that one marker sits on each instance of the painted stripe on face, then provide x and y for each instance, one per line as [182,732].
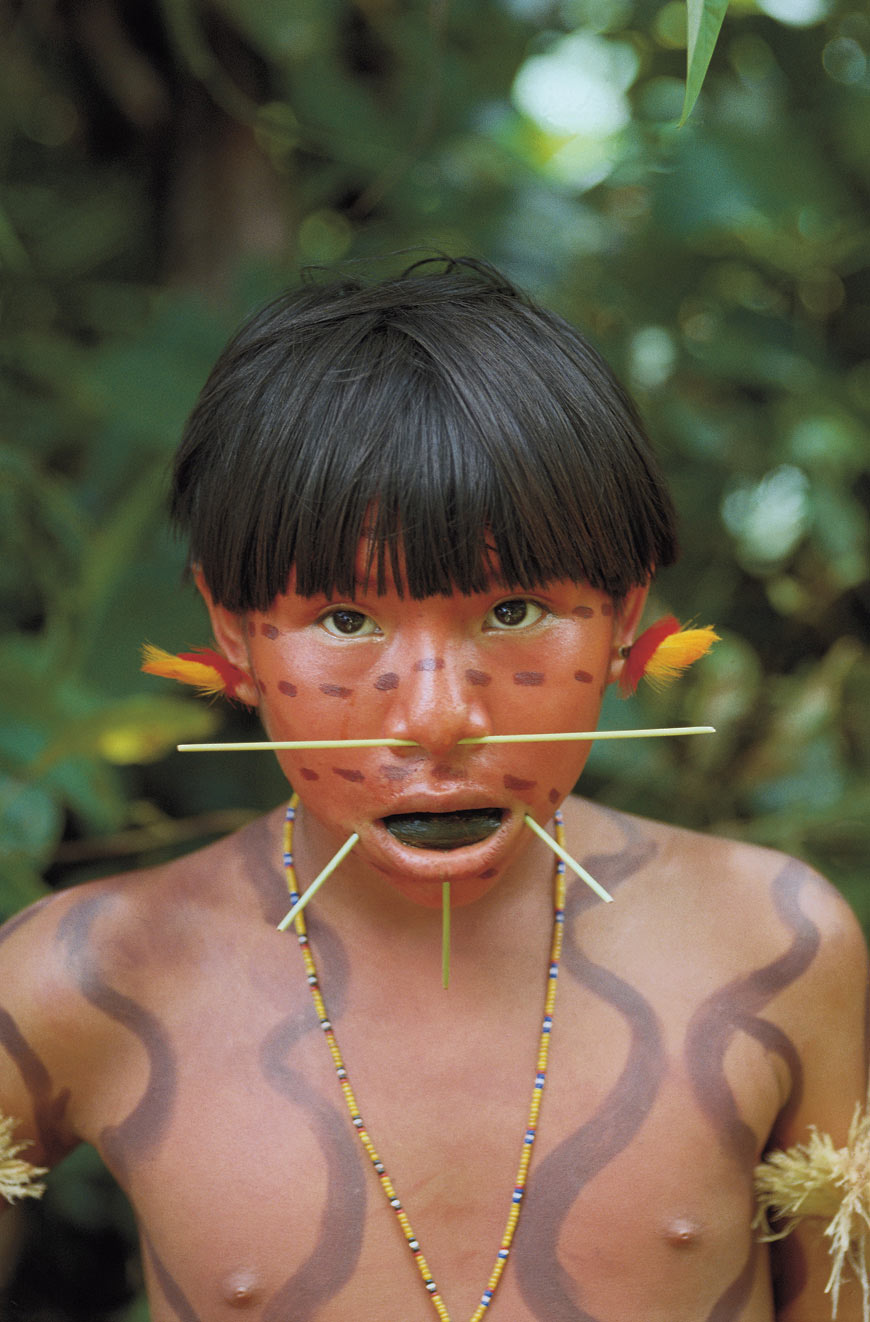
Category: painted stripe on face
[348,773]
[388,681]
[289,690]
[335,690]
[530,678]
[430,663]
[478,677]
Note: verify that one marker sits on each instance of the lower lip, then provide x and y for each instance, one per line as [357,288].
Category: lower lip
[444,832]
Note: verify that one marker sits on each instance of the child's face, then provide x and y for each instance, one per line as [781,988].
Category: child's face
[434,671]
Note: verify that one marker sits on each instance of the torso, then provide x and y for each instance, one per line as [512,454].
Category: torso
[212,1095]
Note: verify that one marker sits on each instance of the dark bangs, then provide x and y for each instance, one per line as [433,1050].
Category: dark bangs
[467,434]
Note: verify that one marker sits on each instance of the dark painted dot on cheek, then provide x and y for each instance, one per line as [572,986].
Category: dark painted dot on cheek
[585,612]
[269,630]
[395,773]
[348,773]
[485,876]
[430,663]
[308,774]
[554,796]
[478,677]
[530,678]
[607,608]
[388,681]
[514,783]
[583,676]
[335,691]
[285,687]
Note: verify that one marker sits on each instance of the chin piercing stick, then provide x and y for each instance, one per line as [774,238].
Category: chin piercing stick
[318,881]
[566,858]
[445,934]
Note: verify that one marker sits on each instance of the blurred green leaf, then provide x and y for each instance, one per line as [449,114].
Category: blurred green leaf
[705,18]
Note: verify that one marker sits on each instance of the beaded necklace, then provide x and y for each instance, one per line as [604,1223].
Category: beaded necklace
[537,1091]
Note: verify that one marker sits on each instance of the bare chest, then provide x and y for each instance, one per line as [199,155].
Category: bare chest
[256,1196]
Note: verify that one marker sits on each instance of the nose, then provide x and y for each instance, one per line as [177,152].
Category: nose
[436,705]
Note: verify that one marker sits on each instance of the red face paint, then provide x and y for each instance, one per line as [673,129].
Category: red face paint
[434,671]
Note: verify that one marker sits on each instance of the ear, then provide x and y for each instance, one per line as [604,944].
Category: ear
[627,618]
[231,635]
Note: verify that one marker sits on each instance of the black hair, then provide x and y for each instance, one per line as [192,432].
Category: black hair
[471,434]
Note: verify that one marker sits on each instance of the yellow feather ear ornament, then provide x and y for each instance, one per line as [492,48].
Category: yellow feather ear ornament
[815,1179]
[18,1179]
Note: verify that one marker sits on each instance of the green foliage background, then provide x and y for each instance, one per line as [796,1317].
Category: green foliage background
[169,165]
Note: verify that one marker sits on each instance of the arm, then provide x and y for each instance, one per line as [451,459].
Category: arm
[827,1015]
[34,1131]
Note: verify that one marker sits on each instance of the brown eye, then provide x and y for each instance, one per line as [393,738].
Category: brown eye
[344,622]
[514,613]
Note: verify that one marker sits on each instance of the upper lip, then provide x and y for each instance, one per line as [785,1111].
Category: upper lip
[452,802]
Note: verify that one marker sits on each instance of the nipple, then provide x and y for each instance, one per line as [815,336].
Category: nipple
[242,1288]
[681,1233]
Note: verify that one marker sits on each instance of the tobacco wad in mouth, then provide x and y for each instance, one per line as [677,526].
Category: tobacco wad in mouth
[444,830]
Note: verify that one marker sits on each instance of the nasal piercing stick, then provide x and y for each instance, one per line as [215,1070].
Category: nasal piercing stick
[318,882]
[566,858]
[564,736]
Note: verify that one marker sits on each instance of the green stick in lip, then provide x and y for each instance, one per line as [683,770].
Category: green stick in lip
[318,882]
[560,736]
[566,858]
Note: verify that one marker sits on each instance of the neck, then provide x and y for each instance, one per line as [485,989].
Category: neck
[491,938]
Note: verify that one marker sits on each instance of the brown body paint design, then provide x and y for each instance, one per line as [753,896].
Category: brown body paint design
[585,612]
[307,773]
[478,677]
[269,631]
[289,690]
[735,1009]
[48,1110]
[531,678]
[547,1289]
[583,677]
[384,683]
[429,663]
[514,783]
[335,691]
[169,1287]
[349,773]
[554,796]
[326,1271]
[138,1133]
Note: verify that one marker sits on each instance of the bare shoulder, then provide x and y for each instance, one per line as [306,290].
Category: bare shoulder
[76,966]
[729,894]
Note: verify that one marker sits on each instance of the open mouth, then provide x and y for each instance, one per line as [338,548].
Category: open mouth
[444,830]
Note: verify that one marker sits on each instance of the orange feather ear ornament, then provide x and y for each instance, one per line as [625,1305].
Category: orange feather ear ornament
[205,669]
[662,653]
